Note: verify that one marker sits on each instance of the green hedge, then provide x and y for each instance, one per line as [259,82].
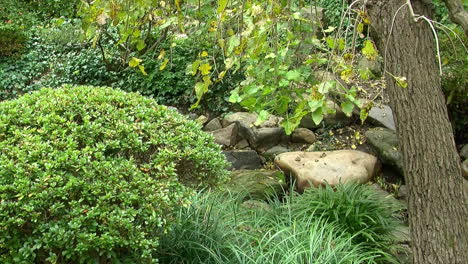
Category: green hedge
[94,175]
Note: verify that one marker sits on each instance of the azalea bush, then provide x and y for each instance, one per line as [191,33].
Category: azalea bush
[93,174]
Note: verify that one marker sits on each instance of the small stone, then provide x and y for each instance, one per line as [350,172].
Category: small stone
[202,119]
[242,144]
[271,153]
[464,152]
[382,116]
[226,136]
[402,193]
[213,125]
[192,116]
[303,135]
[243,159]
[465,169]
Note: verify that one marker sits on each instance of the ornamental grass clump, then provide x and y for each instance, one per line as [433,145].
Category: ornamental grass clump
[95,175]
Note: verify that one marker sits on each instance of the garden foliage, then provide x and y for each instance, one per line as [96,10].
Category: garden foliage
[92,175]
[347,225]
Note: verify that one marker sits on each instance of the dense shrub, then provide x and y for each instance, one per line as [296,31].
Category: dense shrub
[12,39]
[355,209]
[93,175]
[218,228]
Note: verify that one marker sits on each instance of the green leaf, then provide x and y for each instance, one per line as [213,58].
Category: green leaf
[140,45]
[235,98]
[363,114]
[195,66]
[369,50]
[283,83]
[290,124]
[234,41]
[315,104]
[325,87]
[262,116]
[317,116]
[221,6]
[347,108]
[293,75]
[200,89]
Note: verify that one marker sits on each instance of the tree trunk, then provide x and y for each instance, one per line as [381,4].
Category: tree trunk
[437,201]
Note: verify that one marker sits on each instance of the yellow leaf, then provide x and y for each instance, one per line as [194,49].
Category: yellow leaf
[204,54]
[346,75]
[142,69]
[205,69]
[163,65]
[134,62]
[162,53]
[221,74]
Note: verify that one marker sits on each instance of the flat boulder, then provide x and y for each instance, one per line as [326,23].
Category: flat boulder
[332,167]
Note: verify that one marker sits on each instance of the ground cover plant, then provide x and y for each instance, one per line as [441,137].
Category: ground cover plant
[93,174]
[347,225]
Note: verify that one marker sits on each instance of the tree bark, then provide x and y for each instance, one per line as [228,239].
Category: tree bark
[437,201]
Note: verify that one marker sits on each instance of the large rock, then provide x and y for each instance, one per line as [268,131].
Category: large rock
[382,116]
[332,167]
[243,159]
[385,142]
[226,136]
[257,184]
[303,135]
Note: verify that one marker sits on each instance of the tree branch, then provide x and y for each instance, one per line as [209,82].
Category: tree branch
[457,13]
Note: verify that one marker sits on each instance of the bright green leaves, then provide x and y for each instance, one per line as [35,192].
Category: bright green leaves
[317,116]
[221,6]
[369,50]
[347,108]
[293,75]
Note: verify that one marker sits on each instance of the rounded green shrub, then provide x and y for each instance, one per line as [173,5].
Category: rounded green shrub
[12,39]
[95,175]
